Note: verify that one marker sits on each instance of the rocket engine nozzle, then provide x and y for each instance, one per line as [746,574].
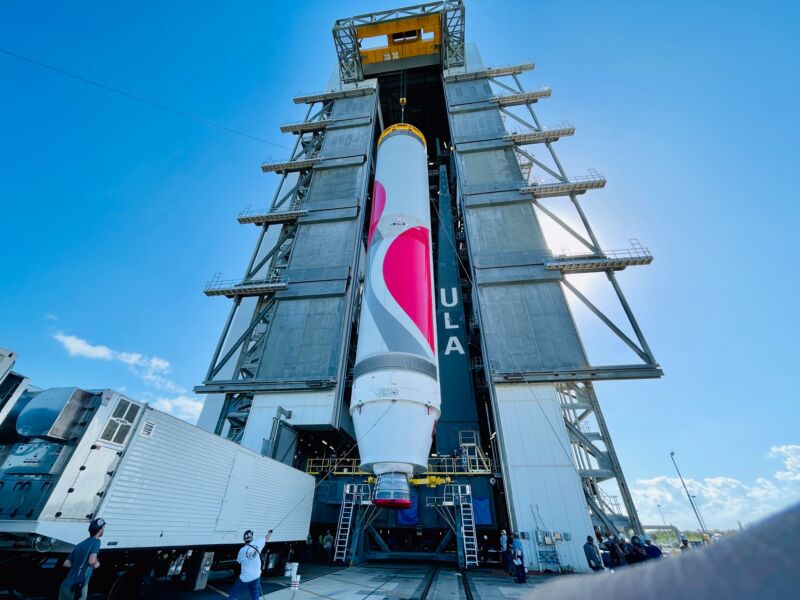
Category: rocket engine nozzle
[392,491]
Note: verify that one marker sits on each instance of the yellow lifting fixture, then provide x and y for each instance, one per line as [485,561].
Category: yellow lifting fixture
[400,39]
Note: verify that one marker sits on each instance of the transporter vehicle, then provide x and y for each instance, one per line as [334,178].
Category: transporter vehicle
[176,498]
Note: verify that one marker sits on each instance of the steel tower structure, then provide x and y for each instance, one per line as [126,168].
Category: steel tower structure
[525,420]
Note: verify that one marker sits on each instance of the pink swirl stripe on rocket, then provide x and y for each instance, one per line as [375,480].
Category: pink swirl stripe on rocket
[407,273]
[378,204]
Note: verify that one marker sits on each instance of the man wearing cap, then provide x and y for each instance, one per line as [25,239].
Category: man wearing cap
[82,562]
[685,547]
[250,560]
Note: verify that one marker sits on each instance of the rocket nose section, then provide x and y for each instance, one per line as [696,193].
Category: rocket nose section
[392,490]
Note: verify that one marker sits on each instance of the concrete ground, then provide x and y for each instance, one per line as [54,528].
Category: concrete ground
[379,581]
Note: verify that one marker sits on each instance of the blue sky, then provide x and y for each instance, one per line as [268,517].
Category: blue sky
[115,213]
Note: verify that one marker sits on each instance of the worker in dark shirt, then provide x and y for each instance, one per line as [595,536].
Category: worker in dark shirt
[82,562]
[616,552]
[637,552]
[592,555]
[652,550]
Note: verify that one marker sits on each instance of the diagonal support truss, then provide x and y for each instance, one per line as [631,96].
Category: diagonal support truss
[593,452]
[237,356]
[528,161]
[594,455]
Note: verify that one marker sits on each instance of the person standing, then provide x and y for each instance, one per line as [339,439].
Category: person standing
[651,549]
[510,551]
[82,562]
[685,547]
[504,549]
[520,572]
[249,558]
[327,546]
[615,552]
[637,553]
[592,555]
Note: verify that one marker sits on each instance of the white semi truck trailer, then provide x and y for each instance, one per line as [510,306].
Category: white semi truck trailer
[176,498]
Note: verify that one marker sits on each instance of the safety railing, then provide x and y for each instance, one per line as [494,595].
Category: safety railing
[437,466]
[592,177]
[217,286]
[452,494]
[335,466]
[297,205]
[627,253]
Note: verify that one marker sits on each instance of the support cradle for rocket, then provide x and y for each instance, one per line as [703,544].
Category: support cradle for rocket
[396,400]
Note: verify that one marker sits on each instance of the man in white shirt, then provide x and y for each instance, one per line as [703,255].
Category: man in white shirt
[250,560]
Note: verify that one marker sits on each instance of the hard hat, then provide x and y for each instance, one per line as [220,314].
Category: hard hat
[684,538]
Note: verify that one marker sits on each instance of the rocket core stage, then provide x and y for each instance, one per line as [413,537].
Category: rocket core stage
[395,401]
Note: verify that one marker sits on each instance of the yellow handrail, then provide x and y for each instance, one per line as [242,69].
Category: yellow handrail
[437,466]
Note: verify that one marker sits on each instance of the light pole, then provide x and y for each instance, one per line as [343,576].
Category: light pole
[688,495]
[702,520]
[664,522]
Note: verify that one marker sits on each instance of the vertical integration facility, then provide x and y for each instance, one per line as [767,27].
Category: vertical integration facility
[430,418]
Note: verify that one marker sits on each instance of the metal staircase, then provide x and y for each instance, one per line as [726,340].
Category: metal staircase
[455,508]
[472,456]
[469,539]
[345,524]
[354,495]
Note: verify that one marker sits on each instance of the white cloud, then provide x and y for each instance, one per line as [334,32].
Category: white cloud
[75,346]
[51,317]
[790,455]
[152,370]
[183,407]
[722,501]
[159,382]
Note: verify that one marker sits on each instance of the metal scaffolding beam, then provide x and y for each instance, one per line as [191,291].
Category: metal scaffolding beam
[599,263]
[566,186]
[521,98]
[350,92]
[489,72]
[540,136]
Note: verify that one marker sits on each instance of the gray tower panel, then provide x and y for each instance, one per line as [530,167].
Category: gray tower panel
[350,108]
[465,92]
[489,171]
[304,340]
[505,235]
[328,244]
[335,188]
[345,142]
[529,328]
[477,125]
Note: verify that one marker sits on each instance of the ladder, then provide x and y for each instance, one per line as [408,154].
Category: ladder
[468,536]
[345,523]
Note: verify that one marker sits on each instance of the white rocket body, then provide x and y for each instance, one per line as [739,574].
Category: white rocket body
[395,400]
